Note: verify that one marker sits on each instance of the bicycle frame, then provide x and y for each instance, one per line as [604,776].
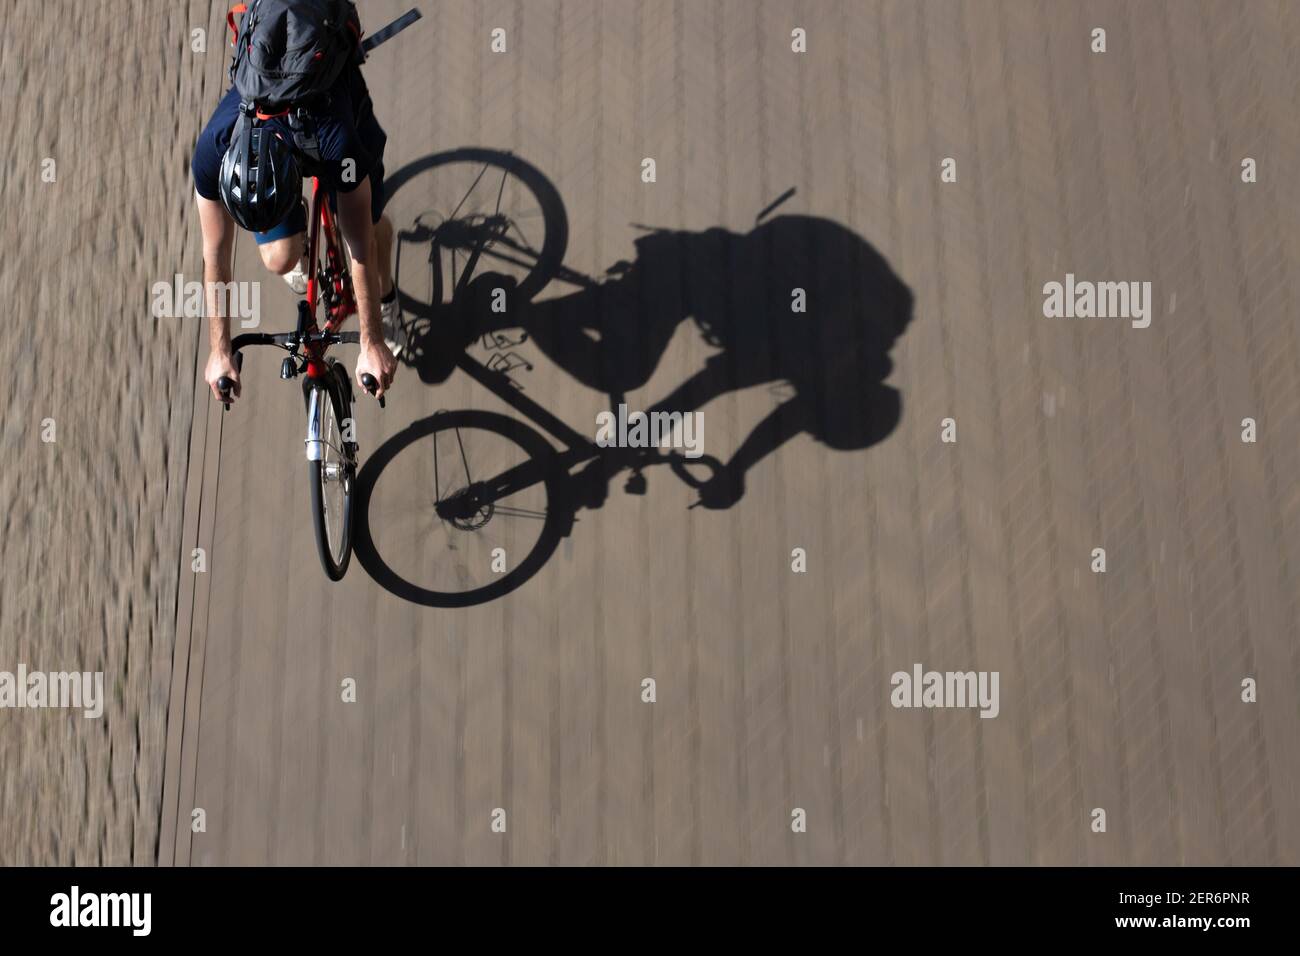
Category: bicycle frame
[329,302]
[578,448]
[338,296]
[329,287]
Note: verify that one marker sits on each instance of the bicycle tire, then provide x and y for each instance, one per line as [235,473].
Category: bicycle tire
[556,232]
[556,524]
[335,567]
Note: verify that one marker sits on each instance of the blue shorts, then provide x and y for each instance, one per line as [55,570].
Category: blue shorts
[296,221]
[346,128]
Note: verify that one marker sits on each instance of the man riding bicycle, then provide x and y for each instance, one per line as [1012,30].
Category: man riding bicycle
[298,98]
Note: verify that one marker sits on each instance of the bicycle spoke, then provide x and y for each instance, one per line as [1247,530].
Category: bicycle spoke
[472,187]
[511,512]
[514,224]
[454,485]
[411,532]
[333,465]
[505,240]
[463,457]
[502,257]
[501,190]
[437,481]
[337,449]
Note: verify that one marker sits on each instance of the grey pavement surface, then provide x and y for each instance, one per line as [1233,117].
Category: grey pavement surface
[1120,691]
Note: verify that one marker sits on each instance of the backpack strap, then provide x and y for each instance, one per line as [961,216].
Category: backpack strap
[244,119]
[303,125]
[230,20]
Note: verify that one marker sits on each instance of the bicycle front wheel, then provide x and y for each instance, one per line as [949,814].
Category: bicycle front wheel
[332,474]
[460,508]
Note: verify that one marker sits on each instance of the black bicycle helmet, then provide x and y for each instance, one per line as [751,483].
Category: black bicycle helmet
[260,180]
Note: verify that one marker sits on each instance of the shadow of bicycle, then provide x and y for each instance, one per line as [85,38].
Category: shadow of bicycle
[800,303]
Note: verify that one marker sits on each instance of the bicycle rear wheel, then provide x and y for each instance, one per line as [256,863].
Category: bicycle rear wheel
[479,190]
[333,474]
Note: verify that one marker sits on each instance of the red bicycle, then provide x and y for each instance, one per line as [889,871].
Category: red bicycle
[327,389]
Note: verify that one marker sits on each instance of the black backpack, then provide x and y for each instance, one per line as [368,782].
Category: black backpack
[288,53]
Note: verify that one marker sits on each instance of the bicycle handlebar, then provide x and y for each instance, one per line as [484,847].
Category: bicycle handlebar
[284,340]
[289,339]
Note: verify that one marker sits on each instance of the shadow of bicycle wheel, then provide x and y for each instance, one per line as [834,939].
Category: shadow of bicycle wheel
[469,532]
[443,203]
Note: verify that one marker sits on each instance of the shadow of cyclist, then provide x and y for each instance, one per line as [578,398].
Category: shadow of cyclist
[798,299]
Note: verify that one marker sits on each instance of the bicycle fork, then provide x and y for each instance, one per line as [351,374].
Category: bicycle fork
[315,442]
[318,403]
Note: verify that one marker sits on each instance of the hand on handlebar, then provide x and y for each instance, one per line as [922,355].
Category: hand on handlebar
[221,365]
[377,363]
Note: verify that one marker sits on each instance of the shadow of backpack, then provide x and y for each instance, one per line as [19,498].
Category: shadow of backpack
[288,53]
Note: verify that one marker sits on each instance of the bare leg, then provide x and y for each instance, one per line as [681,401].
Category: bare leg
[282,255]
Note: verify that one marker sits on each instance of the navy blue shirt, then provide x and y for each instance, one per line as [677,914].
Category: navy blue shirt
[346,128]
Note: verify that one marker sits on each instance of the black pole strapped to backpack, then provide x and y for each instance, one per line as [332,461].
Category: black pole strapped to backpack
[383,34]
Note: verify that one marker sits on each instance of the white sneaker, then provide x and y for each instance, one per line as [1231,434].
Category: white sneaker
[297,279]
[390,318]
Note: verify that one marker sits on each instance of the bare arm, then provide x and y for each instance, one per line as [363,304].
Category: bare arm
[218,246]
[359,233]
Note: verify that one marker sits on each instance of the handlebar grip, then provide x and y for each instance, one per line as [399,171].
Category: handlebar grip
[226,385]
[371,385]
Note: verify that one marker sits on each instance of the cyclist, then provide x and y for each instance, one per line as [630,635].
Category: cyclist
[254,180]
